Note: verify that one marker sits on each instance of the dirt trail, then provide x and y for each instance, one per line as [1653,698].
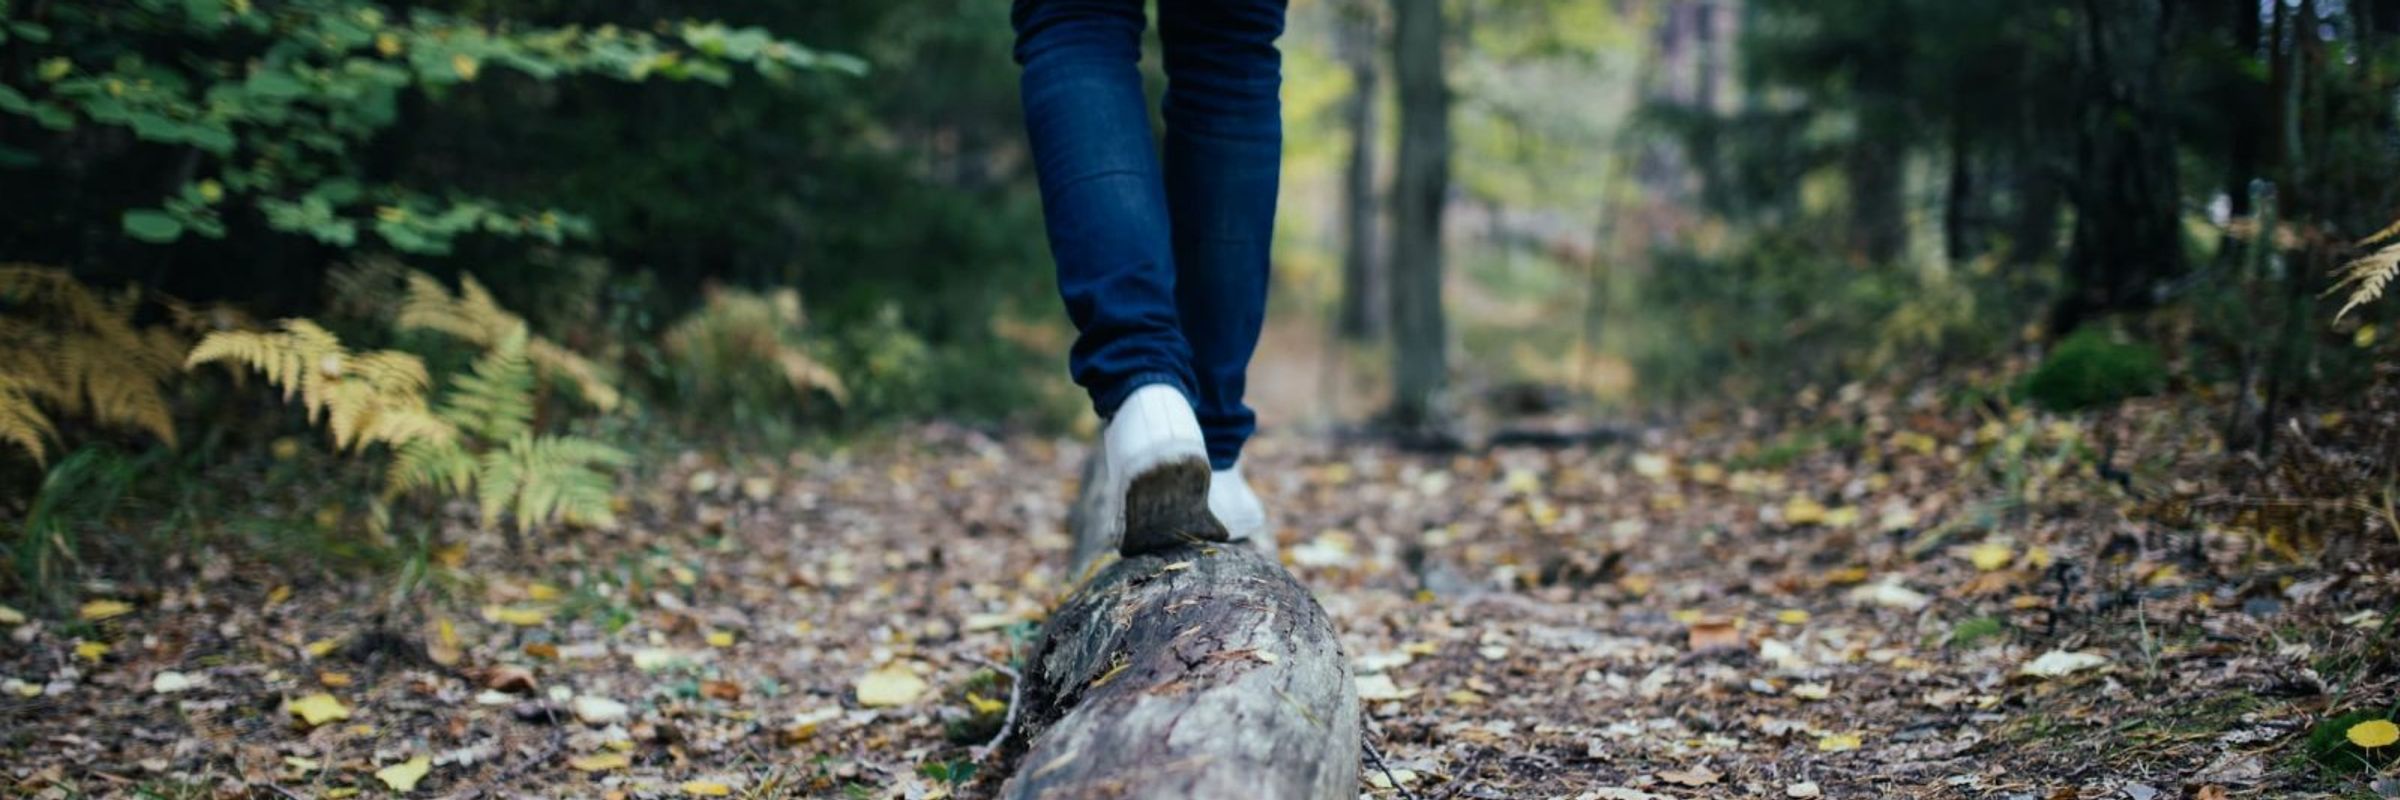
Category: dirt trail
[1653,619]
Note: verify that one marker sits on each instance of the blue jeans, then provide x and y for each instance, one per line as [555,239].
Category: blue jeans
[1162,262]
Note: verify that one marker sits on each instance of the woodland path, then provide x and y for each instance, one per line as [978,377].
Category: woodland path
[1665,617]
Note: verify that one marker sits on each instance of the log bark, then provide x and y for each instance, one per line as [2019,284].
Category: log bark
[1197,672]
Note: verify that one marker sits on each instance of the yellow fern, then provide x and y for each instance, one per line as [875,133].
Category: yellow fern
[2368,275]
[738,332]
[78,352]
[474,316]
[22,422]
[363,398]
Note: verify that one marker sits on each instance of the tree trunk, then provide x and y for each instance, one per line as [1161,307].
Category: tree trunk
[1956,206]
[1420,363]
[1363,301]
[2128,237]
[1197,672]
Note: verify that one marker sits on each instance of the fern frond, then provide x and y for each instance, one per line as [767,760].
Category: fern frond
[22,422]
[494,401]
[78,351]
[363,399]
[474,316]
[437,464]
[541,478]
[2366,277]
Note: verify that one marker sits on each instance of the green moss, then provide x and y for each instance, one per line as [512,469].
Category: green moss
[2090,368]
[2330,747]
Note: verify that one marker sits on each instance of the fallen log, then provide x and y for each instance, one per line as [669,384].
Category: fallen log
[1197,672]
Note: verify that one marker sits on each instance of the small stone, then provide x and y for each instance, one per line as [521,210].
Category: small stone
[1803,790]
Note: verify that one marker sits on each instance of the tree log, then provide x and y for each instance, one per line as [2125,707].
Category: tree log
[1197,672]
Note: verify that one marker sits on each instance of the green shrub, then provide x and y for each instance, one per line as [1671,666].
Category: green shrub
[2090,368]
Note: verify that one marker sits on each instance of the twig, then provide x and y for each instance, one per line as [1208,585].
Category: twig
[1016,697]
[558,742]
[1377,757]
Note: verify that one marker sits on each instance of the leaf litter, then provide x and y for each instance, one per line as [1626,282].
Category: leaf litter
[1948,602]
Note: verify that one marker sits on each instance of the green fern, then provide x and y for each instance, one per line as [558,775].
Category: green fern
[542,477]
[494,401]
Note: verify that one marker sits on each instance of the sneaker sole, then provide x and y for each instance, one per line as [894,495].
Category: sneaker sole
[1167,506]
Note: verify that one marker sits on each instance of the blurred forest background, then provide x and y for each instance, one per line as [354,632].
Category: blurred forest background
[487,256]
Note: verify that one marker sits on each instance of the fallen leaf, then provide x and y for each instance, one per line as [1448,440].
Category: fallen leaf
[706,789]
[98,610]
[1694,777]
[892,685]
[318,709]
[1838,742]
[2373,733]
[170,682]
[597,710]
[91,651]
[1812,691]
[1803,790]
[1889,593]
[1714,633]
[1992,555]
[444,648]
[10,616]
[2061,663]
[1619,793]
[1802,510]
[984,705]
[600,762]
[720,639]
[520,616]
[1372,688]
[403,777]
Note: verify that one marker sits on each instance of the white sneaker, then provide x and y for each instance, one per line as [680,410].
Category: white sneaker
[1153,475]
[1245,518]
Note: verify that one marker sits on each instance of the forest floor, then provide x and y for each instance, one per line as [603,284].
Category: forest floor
[1873,596]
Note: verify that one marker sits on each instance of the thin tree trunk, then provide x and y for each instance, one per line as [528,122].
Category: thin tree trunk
[1363,300]
[1420,363]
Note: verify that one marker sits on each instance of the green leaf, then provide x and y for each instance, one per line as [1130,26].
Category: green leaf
[155,227]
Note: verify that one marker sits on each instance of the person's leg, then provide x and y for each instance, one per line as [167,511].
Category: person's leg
[1104,202]
[1103,197]
[1224,149]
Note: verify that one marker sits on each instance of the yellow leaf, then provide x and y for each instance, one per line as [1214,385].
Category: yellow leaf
[10,616]
[277,595]
[600,762]
[98,610]
[1992,555]
[1792,616]
[323,647]
[706,789]
[1802,510]
[1812,691]
[318,709]
[387,44]
[1838,742]
[984,705]
[520,616]
[91,651]
[541,592]
[403,777]
[340,792]
[465,65]
[720,639]
[2374,733]
[892,685]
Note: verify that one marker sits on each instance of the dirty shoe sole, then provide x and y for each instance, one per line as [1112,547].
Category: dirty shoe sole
[1167,506]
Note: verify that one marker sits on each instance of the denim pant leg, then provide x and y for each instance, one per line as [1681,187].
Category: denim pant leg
[1103,196]
[1224,148]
